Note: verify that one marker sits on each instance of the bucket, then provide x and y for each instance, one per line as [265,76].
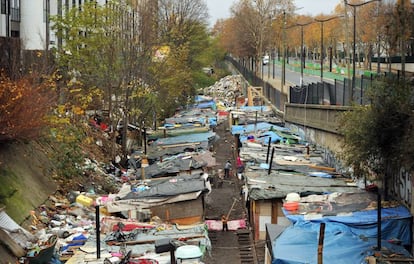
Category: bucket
[291,206]
[292,197]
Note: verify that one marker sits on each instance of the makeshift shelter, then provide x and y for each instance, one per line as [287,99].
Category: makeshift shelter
[176,200]
[348,237]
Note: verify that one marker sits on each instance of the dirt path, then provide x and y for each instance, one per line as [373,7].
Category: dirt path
[225,245]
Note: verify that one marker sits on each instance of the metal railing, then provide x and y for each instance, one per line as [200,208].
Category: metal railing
[270,92]
[339,93]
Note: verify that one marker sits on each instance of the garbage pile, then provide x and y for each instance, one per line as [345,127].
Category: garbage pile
[147,217]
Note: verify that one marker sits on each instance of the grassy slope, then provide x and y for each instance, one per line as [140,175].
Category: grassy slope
[25,178]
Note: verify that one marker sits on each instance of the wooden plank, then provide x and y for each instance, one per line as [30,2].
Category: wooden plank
[181,145]
[322,168]
[397,259]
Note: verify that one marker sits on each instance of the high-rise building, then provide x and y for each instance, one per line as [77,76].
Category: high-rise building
[29,20]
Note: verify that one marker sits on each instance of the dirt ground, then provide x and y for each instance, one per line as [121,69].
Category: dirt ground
[224,244]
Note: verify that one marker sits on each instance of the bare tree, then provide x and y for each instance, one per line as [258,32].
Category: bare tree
[254,25]
[178,19]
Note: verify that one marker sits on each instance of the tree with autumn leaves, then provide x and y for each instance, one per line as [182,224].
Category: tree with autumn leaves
[377,138]
[383,28]
[24,105]
[107,62]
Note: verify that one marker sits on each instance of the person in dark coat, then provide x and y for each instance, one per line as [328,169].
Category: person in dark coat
[227,168]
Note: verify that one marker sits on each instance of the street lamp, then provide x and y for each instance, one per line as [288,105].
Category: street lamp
[354,39]
[322,21]
[302,57]
[284,48]
[284,51]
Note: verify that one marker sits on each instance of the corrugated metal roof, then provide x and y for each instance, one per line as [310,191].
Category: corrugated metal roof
[279,184]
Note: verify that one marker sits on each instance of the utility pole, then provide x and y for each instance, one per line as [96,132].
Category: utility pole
[354,40]
[302,53]
[284,52]
[322,21]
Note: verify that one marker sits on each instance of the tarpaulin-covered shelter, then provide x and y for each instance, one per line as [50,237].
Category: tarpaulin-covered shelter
[267,193]
[349,236]
[290,172]
[299,244]
[177,199]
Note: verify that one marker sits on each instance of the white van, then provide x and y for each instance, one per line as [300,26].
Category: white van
[265,59]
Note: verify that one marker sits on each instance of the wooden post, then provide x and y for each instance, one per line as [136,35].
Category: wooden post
[98,232]
[172,257]
[379,226]
[231,208]
[271,161]
[320,243]
[268,150]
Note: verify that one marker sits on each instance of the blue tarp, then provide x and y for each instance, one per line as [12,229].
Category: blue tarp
[396,223]
[211,120]
[190,138]
[202,98]
[299,244]
[264,137]
[210,104]
[254,108]
[243,129]
[320,174]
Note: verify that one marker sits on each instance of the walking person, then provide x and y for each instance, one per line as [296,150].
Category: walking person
[224,220]
[227,168]
[240,168]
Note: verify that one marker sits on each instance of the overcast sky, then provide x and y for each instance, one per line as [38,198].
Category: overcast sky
[221,8]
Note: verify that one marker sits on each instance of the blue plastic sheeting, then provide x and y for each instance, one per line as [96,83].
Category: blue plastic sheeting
[299,244]
[190,138]
[264,137]
[76,241]
[320,174]
[395,223]
[242,129]
[202,98]
[254,108]
[210,104]
[211,120]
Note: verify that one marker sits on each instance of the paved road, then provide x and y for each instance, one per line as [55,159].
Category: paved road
[291,76]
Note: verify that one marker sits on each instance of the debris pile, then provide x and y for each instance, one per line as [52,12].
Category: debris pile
[157,206]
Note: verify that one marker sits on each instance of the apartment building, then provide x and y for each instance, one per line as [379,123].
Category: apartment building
[29,20]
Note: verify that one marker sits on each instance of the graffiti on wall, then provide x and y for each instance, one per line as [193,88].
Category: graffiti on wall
[401,186]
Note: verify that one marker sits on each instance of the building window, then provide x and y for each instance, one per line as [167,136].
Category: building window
[3,6]
[15,34]
[15,14]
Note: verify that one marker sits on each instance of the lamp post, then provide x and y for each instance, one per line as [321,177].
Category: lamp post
[302,57]
[354,39]
[322,21]
[284,51]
